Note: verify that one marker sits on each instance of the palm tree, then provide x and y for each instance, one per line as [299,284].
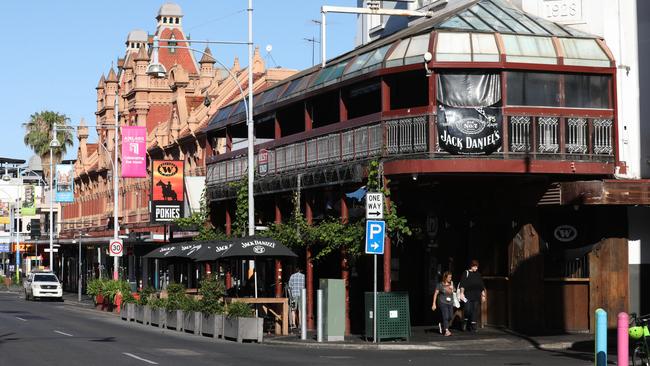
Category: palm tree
[38,135]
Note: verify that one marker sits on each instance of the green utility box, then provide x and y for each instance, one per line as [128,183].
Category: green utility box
[333,309]
[394,320]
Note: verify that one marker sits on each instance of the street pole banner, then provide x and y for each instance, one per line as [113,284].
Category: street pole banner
[5,213]
[167,190]
[29,202]
[134,160]
[64,183]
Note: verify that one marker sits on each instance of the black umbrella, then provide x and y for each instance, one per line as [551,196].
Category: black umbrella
[254,247]
[210,250]
[176,250]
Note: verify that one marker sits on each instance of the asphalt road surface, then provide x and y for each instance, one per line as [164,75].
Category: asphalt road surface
[51,333]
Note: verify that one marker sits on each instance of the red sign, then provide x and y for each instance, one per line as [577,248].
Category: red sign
[263,162]
[168,187]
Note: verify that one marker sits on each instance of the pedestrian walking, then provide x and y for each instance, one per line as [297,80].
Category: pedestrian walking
[443,299]
[296,285]
[472,291]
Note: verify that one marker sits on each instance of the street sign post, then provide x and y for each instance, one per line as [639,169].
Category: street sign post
[374,206]
[116,248]
[375,234]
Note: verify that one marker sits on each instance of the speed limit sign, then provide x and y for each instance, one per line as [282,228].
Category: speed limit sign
[116,248]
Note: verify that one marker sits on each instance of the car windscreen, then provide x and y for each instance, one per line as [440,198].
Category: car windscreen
[45,278]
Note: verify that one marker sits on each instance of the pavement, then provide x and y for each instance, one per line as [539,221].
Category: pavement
[426,338]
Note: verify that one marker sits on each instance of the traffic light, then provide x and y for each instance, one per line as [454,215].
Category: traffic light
[35,228]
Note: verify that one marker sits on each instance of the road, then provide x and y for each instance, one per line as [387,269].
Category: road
[51,333]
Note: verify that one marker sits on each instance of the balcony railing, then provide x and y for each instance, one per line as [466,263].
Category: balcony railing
[544,137]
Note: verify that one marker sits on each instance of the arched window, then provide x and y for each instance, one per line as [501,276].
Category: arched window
[178,20]
[165,20]
[172,43]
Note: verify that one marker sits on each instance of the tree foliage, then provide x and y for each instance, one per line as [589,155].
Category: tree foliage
[38,133]
[396,226]
[240,224]
[201,221]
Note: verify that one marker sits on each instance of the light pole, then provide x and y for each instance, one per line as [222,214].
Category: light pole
[53,144]
[116,224]
[156,69]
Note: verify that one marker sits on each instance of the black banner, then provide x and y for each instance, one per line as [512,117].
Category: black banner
[469,130]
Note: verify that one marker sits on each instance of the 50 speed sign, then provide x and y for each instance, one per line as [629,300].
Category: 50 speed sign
[116,248]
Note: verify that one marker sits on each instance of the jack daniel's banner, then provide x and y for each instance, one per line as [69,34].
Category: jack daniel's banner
[469,130]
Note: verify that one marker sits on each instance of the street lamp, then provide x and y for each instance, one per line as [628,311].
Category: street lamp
[53,144]
[156,69]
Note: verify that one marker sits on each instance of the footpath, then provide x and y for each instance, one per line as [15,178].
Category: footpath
[422,338]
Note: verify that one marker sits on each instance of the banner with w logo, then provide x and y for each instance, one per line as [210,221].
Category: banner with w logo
[134,160]
[167,192]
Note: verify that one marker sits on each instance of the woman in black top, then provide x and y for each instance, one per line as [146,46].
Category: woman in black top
[472,290]
[443,298]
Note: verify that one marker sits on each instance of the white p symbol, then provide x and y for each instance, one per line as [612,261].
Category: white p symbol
[374,229]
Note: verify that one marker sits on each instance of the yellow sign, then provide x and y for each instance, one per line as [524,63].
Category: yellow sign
[23,247]
[4,213]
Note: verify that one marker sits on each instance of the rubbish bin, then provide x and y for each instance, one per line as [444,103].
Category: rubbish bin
[393,320]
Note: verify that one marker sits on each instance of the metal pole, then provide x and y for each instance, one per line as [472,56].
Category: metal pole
[251,130]
[155,275]
[14,222]
[303,314]
[116,225]
[323,39]
[52,203]
[374,301]
[319,320]
[79,274]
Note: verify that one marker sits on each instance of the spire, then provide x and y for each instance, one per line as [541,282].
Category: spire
[142,55]
[235,67]
[112,77]
[102,80]
[207,57]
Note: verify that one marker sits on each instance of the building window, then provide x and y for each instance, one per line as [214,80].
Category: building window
[178,20]
[165,20]
[559,90]
[478,89]
[172,44]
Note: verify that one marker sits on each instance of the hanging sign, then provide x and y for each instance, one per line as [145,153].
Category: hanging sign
[134,160]
[29,202]
[263,162]
[64,183]
[167,191]
[469,130]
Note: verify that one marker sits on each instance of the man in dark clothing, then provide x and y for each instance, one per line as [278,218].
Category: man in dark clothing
[472,291]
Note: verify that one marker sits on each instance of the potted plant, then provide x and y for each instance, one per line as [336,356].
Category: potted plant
[126,302]
[175,299]
[240,323]
[143,308]
[212,292]
[191,316]
[94,290]
[158,313]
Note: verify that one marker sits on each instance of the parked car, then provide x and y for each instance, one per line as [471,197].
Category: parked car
[43,285]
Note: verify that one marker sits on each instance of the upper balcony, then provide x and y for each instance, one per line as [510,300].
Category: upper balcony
[503,92]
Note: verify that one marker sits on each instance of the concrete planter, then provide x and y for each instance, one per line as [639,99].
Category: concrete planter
[127,312]
[175,320]
[212,325]
[158,317]
[243,329]
[192,322]
[142,314]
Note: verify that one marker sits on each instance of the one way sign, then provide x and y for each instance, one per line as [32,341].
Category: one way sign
[374,206]
[375,231]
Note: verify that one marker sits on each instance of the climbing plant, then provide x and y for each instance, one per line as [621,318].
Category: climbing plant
[295,232]
[396,226]
[240,223]
[200,221]
[333,235]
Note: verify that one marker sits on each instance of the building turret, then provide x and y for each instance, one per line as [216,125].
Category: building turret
[206,67]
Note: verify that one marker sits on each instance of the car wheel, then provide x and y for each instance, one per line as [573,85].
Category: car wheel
[60,299]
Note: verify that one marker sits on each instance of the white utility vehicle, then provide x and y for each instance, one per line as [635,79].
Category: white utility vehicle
[43,285]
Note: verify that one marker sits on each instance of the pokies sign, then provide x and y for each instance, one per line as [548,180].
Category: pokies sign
[168,189]
[469,130]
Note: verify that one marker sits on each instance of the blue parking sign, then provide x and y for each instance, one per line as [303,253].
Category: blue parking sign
[375,232]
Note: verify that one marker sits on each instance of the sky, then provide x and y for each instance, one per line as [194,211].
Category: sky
[54,52]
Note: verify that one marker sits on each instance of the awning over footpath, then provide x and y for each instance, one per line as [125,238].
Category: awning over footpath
[201,251]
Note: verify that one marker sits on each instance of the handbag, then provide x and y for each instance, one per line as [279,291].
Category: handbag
[456,295]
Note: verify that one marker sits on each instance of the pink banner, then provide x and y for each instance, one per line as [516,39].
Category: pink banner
[134,150]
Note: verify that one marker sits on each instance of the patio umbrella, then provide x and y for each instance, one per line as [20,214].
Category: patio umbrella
[210,250]
[254,247]
[175,250]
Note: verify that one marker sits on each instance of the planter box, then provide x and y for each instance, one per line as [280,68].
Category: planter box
[243,329]
[192,322]
[212,325]
[99,302]
[142,314]
[175,320]
[127,312]
[158,317]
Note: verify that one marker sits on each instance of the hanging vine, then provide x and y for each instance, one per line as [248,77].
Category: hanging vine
[200,221]
[396,226]
[240,224]
[295,232]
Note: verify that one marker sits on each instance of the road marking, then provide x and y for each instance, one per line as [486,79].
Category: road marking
[62,333]
[337,357]
[19,318]
[139,358]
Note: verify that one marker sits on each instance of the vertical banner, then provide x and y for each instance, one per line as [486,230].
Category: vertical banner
[5,213]
[134,161]
[64,183]
[29,201]
[167,190]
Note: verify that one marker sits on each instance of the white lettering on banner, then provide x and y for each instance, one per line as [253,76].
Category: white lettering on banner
[471,142]
[168,213]
[257,242]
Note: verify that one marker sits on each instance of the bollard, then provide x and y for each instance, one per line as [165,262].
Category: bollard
[319,309]
[601,338]
[623,340]
[303,314]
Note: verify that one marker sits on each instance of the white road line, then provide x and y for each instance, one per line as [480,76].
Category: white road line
[62,333]
[139,358]
[19,318]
